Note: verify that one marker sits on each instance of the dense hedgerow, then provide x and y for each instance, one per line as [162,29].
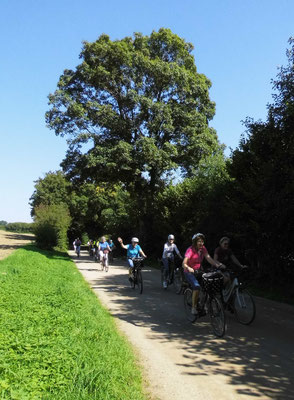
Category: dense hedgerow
[51,226]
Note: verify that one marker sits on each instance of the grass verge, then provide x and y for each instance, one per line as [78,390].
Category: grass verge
[56,340]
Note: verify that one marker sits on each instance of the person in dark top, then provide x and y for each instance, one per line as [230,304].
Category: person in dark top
[225,255]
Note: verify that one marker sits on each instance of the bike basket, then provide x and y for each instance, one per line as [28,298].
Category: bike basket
[213,282]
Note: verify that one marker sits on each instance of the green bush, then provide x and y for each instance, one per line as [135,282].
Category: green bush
[51,226]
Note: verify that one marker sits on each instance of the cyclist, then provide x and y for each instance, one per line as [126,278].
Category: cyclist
[112,247]
[225,255]
[192,262]
[102,246]
[168,256]
[133,250]
[78,244]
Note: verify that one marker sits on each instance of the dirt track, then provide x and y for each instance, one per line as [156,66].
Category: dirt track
[185,361]
[10,241]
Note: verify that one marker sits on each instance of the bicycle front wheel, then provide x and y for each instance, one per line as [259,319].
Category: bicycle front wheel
[139,281]
[188,305]
[244,307]
[217,317]
[177,281]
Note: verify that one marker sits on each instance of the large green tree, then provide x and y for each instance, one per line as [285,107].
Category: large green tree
[142,108]
[262,167]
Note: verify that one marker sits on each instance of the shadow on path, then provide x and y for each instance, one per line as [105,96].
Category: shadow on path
[259,358]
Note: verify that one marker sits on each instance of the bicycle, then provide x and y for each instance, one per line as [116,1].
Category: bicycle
[136,279]
[238,300]
[209,303]
[104,260]
[167,275]
[95,255]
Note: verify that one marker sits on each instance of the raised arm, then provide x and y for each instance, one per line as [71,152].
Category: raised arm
[121,243]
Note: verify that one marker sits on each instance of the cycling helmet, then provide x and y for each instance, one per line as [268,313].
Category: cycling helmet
[171,237]
[134,239]
[224,239]
[198,235]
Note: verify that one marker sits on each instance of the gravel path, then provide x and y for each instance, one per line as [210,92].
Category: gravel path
[185,361]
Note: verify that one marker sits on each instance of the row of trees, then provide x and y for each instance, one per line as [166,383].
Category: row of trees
[142,158]
[21,227]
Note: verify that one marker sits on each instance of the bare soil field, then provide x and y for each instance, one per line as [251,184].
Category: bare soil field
[10,241]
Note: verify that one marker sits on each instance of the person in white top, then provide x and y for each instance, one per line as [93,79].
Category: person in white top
[168,256]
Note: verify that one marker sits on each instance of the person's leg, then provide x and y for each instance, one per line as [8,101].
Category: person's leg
[196,287]
[165,271]
[131,266]
[195,296]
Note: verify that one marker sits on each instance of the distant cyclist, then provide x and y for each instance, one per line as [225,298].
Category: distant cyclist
[133,251]
[103,247]
[168,255]
[78,244]
[192,263]
[112,247]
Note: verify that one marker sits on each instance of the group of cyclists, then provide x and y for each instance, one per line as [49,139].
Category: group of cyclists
[100,250]
[191,261]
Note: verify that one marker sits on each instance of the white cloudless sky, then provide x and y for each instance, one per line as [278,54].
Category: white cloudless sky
[238,44]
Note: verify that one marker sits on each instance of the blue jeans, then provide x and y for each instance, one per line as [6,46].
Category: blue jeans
[131,263]
[166,262]
[190,277]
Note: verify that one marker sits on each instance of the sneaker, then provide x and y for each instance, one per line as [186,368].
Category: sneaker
[164,284]
[194,311]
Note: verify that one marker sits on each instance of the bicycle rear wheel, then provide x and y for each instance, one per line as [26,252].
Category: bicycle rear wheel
[244,307]
[217,317]
[188,305]
[177,281]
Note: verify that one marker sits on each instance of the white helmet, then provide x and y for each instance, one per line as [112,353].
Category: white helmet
[171,237]
[198,235]
[134,239]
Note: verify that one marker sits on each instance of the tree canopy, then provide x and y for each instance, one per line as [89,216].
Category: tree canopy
[143,108]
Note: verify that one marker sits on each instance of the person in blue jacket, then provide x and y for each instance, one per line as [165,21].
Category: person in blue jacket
[133,250]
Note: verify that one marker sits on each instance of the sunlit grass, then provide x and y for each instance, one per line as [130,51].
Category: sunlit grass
[56,340]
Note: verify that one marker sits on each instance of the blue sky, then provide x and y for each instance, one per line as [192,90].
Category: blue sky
[238,44]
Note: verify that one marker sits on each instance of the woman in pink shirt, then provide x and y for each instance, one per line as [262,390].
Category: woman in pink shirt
[192,262]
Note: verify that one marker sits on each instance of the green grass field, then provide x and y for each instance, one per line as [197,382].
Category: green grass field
[56,340]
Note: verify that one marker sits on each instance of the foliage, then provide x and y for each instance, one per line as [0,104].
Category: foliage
[85,238]
[262,168]
[20,227]
[54,188]
[2,222]
[56,340]
[143,108]
[51,226]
